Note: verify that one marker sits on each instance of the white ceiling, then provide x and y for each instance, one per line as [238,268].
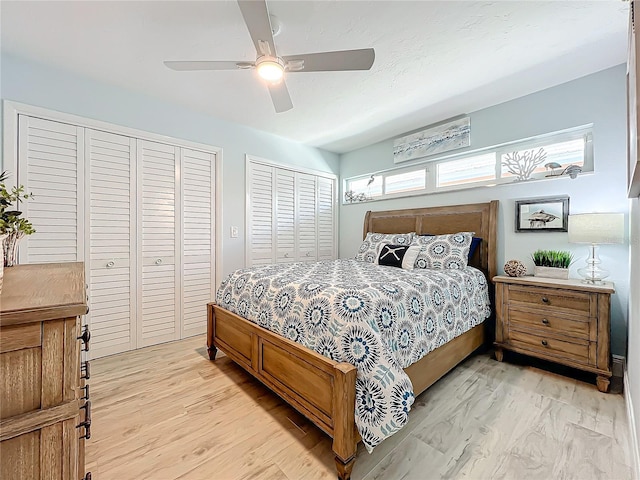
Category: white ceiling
[434,59]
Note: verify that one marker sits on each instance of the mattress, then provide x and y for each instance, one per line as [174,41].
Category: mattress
[380,319]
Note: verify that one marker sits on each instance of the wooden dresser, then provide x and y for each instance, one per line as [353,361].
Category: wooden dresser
[44,413]
[564,321]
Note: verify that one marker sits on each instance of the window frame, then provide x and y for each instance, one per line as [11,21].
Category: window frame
[430,166]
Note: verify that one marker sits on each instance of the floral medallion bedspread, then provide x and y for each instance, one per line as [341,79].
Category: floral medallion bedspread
[380,319]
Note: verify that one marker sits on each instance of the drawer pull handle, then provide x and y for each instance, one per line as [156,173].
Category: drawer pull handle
[85,337]
[159,261]
[87,476]
[545,300]
[86,392]
[544,342]
[110,264]
[87,421]
[545,321]
[85,370]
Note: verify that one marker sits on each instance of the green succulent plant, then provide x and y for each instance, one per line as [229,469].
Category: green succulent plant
[10,198]
[552,258]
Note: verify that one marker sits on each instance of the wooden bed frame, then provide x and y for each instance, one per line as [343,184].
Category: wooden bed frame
[324,390]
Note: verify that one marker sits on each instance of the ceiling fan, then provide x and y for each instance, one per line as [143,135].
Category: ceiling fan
[270,66]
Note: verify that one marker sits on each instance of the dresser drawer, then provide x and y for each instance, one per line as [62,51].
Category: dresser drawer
[544,321]
[547,347]
[540,297]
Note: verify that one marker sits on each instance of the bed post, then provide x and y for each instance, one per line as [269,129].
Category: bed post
[344,433]
[211,331]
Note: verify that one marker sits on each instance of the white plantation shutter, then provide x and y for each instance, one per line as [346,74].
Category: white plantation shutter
[111,253]
[325,217]
[285,216]
[307,235]
[51,166]
[198,176]
[139,213]
[260,215]
[158,308]
[290,214]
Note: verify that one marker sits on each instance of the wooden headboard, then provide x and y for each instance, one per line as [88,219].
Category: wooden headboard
[481,218]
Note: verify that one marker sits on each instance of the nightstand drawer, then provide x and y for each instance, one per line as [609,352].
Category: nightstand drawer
[578,352]
[547,297]
[564,325]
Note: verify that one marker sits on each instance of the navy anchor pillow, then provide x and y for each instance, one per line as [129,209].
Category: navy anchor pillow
[400,256]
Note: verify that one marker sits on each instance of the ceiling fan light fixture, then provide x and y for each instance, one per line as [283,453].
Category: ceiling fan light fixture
[270,68]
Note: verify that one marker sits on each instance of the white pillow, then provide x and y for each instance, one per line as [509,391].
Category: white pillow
[399,256]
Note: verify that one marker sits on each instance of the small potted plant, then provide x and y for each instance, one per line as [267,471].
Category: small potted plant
[12,226]
[552,263]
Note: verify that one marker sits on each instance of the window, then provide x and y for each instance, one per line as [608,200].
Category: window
[405,182]
[565,153]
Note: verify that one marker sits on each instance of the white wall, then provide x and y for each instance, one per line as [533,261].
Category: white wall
[633,354]
[599,99]
[36,84]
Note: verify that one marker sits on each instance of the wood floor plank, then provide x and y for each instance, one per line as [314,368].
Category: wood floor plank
[167,412]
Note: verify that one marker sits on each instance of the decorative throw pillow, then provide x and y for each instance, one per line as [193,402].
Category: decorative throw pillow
[444,251]
[475,242]
[400,256]
[368,251]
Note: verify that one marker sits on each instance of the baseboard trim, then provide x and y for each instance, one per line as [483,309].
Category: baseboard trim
[635,453]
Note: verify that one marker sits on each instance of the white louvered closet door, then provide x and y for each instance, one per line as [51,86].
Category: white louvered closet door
[51,167]
[306,195]
[261,215]
[198,180]
[285,216]
[326,218]
[112,232]
[159,246]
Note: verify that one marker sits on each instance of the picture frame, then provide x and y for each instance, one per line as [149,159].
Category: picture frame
[441,138]
[547,214]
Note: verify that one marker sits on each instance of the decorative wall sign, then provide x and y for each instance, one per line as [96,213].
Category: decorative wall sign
[445,137]
[549,214]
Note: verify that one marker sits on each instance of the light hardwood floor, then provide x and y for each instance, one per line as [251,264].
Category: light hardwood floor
[167,412]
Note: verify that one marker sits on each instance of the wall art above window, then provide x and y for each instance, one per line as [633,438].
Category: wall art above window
[442,138]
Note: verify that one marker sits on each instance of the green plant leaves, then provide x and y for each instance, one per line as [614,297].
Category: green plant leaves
[552,258]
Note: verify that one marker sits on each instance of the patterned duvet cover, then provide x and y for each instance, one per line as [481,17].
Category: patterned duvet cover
[380,319]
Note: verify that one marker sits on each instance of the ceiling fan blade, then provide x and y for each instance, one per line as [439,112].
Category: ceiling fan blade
[280,96]
[256,16]
[190,65]
[361,59]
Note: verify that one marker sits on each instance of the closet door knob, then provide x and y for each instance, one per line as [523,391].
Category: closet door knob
[286,255]
[110,264]
[159,261]
[308,254]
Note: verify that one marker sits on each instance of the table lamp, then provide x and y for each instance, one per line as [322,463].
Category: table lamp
[595,229]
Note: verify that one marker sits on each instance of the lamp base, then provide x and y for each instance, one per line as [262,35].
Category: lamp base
[593,274]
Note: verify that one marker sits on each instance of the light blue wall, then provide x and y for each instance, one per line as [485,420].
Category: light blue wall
[36,84]
[599,99]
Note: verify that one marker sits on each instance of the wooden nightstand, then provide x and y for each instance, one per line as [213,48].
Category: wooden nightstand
[563,321]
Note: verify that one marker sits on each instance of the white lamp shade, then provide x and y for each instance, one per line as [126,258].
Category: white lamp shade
[596,228]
